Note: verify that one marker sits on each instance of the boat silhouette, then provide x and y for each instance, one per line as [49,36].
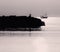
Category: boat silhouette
[17,22]
[44,16]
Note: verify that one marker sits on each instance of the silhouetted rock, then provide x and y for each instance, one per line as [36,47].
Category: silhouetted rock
[12,22]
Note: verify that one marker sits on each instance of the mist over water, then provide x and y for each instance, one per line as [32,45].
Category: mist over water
[46,40]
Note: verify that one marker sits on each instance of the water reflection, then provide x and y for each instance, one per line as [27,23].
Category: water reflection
[23,44]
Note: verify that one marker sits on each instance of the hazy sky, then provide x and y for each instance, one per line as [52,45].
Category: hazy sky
[35,7]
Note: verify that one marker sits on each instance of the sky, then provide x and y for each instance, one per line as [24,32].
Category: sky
[25,7]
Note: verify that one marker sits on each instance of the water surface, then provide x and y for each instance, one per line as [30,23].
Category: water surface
[46,40]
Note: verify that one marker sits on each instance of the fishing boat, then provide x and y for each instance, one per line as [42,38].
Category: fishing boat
[44,16]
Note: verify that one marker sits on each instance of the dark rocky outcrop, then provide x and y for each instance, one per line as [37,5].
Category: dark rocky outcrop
[20,22]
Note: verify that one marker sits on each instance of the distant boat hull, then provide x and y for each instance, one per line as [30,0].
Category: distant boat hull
[44,17]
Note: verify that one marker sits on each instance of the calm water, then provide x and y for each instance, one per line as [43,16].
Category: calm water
[46,40]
